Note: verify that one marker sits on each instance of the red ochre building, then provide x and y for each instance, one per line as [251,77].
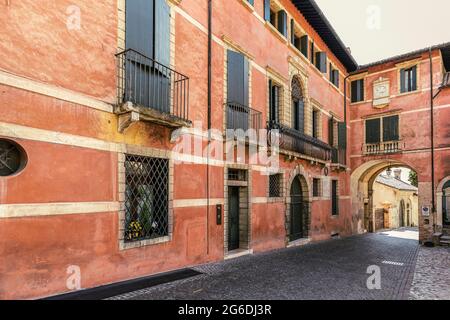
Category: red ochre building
[95,96]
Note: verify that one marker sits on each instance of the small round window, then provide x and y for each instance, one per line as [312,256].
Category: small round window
[12,158]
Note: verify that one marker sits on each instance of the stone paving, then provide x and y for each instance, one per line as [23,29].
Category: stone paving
[331,270]
[432,274]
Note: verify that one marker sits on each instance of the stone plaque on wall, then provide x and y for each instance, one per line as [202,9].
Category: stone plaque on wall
[381,93]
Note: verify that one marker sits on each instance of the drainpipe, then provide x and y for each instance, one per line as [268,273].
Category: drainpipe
[209,121]
[432,141]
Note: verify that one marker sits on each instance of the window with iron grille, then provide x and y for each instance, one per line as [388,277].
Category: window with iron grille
[317,188]
[146,198]
[275,185]
[237,175]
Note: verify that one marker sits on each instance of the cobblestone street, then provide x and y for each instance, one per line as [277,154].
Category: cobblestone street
[335,269]
[432,275]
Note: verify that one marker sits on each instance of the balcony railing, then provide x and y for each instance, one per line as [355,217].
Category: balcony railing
[152,86]
[295,141]
[383,147]
[242,117]
[338,156]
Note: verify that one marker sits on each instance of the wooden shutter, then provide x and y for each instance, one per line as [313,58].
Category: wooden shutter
[282,22]
[162,32]
[321,61]
[342,135]
[237,78]
[139,26]
[373,130]
[334,198]
[304,45]
[390,128]
[267,10]
[360,90]
[331,73]
[311,56]
[300,115]
[274,98]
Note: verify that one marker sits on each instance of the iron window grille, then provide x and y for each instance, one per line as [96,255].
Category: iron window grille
[237,175]
[146,198]
[275,186]
[334,198]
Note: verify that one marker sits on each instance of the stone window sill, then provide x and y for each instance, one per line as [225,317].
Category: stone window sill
[143,243]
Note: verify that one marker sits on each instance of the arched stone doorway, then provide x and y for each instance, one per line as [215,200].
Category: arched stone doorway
[298,207]
[443,203]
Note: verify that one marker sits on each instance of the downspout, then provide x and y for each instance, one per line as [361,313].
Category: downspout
[433,210]
[208,195]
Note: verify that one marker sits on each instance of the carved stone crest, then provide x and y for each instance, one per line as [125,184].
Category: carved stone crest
[381,93]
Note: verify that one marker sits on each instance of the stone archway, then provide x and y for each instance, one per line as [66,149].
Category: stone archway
[362,180]
[298,201]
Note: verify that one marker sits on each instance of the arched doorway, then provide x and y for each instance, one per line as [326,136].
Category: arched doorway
[299,210]
[446,204]
[401,214]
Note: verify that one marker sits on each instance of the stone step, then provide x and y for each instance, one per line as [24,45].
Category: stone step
[444,242]
[446,238]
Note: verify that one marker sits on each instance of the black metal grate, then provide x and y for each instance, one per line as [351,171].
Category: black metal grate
[275,186]
[146,198]
[237,175]
[12,158]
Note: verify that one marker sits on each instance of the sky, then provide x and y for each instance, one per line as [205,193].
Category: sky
[379,29]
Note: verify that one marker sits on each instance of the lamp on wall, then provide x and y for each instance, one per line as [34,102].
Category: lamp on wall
[389,171]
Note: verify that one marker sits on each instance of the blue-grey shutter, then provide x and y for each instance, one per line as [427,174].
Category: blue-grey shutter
[321,61]
[293,32]
[312,56]
[331,73]
[414,78]
[299,115]
[336,77]
[282,22]
[238,68]
[373,130]
[331,132]
[390,128]
[342,135]
[354,91]
[252,2]
[304,45]
[267,10]
[162,32]
[402,81]
[139,26]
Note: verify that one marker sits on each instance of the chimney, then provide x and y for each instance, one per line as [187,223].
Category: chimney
[398,174]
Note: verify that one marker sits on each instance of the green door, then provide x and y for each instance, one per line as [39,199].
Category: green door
[233,218]
[297,211]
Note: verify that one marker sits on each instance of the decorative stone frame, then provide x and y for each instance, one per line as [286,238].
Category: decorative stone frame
[280,81]
[439,194]
[407,65]
[297,71]
[146,152]
[307,195]
[245,184]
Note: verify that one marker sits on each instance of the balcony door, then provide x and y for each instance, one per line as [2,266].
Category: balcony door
[238,91]
[147,73]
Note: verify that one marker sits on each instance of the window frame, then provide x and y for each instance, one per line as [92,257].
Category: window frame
[381,128]
[362,99]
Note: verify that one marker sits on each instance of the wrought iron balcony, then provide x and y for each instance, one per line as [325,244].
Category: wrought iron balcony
[338,156]
[242,117]
[296,141]
[153,91]
[385,147]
